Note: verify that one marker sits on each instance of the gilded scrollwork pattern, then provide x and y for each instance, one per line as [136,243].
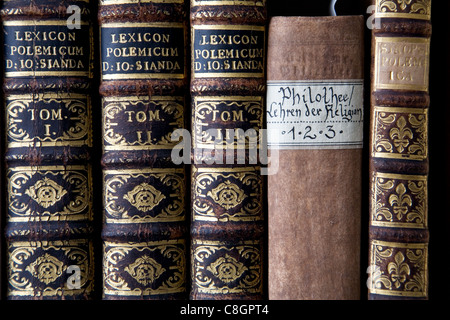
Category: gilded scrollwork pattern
[400,133]
[399,201]
[144,269]
[50,121]
[227,195]
[398,269]
[219,268]
[415,9]
[50,193]
[41,268]
[145,195]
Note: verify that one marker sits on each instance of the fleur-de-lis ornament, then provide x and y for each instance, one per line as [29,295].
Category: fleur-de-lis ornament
[399,270]
[401,201]
[401,135]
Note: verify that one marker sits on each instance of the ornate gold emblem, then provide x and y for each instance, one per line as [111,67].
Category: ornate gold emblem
[144,197]
[413,9]
[217,268]
[399,201]
[39,269]
[227,269]
[157,260]
[151,187]
[238,192]
[416,6]
[44,185]
[400,133]
[46,192]
[227,195]
[46,268]
[145,270]
[398,269]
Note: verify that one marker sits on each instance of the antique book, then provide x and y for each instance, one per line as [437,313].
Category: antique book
[47,84]
[143,91]
[228,40]
[315,122]
[398,223]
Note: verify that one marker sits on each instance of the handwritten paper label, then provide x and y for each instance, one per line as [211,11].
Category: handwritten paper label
[315,114]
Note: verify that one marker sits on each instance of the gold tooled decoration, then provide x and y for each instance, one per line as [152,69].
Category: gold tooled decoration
[145,270]
[46,192]
[398,269]
[46,268]
[237,191]
[227,268]
[399,201]
[218,268]
[47,261]
[412,9]
[400,133]
[144,197]
[228,195]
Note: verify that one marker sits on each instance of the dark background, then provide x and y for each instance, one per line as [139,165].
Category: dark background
[439,133]
[439,154]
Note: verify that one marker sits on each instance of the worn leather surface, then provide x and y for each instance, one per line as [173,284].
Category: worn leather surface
[399,92]
[48,81]
[227,92]
[143,50]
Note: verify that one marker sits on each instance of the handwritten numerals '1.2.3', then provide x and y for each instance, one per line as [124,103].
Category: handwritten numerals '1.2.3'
[315,114]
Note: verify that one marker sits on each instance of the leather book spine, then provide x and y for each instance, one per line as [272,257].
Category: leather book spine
[315,122]
[47,83]
[143,91]
[398,223]
[228,41]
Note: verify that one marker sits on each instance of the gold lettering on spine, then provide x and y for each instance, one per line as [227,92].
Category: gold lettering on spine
[45,53]
[73,109]
[402,63]
[214,113]
[141,112]
[244,57]
[160,57]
